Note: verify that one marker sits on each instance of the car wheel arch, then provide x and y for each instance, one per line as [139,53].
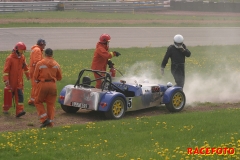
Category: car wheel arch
[168,93]
[177,101]
[116,108]
[109,98]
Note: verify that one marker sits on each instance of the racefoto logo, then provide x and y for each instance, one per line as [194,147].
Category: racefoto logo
[210,151]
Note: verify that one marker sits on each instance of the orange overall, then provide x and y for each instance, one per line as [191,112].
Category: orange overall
[35,56]
[100,59]
[13,72]
[46,73]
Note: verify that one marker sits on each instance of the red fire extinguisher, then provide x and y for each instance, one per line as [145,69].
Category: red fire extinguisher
[113,72]
[7,98]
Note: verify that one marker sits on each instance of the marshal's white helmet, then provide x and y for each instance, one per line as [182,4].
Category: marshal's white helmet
[178,40]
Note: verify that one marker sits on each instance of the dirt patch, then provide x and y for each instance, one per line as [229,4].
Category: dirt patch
[30,120]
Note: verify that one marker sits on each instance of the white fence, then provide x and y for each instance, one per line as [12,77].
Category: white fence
[87,6]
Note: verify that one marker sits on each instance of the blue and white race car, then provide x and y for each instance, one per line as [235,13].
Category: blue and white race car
[116,98]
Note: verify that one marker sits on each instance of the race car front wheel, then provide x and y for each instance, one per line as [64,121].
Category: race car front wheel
[69,109]
[117,109]
[177,101]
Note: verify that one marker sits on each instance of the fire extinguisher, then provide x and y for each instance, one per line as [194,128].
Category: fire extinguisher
[113,72]
[7,97]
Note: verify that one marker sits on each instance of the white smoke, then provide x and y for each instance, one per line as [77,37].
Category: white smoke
[218,87]
[142,72]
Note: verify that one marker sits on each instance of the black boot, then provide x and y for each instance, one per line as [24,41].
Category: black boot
[21,114]
[45,123]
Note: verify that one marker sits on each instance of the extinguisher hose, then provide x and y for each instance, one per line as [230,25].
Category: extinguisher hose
[119,72]
[13,100]
[13,103]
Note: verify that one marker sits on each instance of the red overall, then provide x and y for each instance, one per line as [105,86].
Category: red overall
[13,71]
[47,72]
[35,56]
[100,59]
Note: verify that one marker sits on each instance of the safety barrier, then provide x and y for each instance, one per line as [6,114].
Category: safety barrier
[88,6]
[114,6]
[121,6]
[27,6]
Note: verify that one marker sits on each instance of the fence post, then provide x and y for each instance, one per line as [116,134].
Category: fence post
[60,6]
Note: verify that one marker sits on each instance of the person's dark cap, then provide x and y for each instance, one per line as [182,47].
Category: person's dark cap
[49,52]
[41,42]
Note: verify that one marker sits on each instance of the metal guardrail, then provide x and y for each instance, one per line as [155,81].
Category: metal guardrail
[114,6]
[87,6]
[28,6]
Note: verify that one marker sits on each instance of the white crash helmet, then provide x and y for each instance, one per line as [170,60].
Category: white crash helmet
[178,40]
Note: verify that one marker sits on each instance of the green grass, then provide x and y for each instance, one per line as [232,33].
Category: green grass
[158,137]
[106,16]
[153,138]
[46,19]
[183,24]
[205,61]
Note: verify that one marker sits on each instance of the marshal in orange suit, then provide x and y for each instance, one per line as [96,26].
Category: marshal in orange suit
[46,73]
[15,66]
[101,56]
[36,55]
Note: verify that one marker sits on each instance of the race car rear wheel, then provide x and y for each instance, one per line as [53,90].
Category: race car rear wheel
[69,109]
[117,109]
[177,101]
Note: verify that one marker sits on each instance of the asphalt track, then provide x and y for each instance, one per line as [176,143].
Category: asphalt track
[122,37]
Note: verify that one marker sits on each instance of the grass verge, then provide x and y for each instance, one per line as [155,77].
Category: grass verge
[85,19]
[158,137]
[145,63]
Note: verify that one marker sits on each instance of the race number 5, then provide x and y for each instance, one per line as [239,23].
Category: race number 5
[129,103]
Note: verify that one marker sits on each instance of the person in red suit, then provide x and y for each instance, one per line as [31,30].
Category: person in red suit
[47,72]
[101,56]
[14,67]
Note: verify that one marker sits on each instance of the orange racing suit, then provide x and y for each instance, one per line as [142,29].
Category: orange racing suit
[100,59]
[35,56]
[13,71]
[46,73]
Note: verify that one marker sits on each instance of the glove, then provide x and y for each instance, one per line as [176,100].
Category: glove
[116,53]
[183,47]
[6,83]
[110,63]
[162,71]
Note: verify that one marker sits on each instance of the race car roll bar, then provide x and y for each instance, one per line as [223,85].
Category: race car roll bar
[106,79]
